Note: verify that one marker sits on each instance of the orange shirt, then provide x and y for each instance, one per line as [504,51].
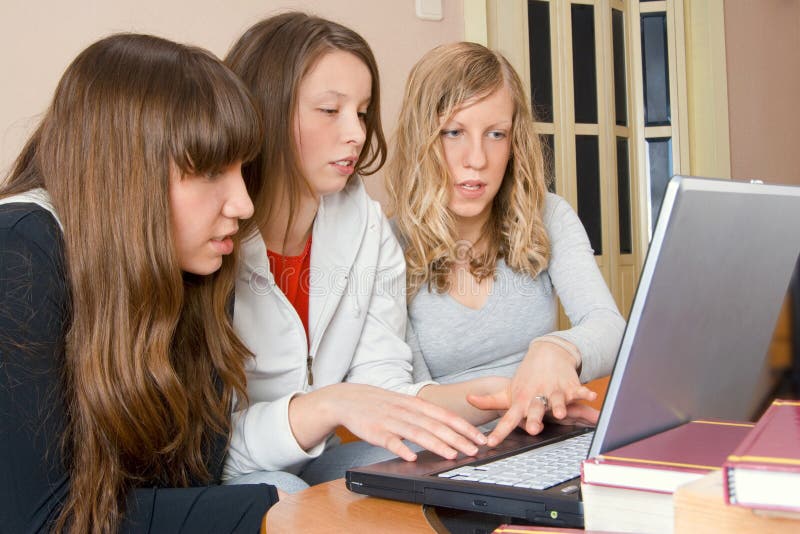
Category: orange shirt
[292,277]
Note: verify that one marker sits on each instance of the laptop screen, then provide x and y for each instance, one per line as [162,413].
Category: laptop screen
[711,288]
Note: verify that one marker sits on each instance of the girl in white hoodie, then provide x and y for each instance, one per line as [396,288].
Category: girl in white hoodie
[320,296]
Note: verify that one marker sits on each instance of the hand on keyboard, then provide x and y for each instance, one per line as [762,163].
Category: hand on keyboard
[547,371]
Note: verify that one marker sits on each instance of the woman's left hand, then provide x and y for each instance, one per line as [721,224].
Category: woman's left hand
[546,379]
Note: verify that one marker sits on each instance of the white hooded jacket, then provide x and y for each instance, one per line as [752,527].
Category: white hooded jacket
[357,322]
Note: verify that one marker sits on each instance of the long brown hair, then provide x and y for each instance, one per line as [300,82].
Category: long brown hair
[272,57]
[151,361]
[418,181]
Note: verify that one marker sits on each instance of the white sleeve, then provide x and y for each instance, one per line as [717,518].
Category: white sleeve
[262,440]
[382,358]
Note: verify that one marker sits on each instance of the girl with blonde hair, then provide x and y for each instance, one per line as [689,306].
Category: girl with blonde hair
[488,248]
[117,241]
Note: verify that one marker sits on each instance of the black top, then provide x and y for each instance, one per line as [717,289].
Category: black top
[33,479]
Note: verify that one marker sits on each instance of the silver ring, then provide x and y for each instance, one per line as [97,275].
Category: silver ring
[543,400]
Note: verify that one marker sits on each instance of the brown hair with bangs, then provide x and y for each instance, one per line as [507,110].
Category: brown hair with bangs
[272,57]
[152,364]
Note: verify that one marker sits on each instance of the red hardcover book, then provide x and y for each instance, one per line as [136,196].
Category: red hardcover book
[662,462]
[764,470]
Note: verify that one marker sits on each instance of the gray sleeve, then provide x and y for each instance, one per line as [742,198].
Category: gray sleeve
[597,325]
[421,371]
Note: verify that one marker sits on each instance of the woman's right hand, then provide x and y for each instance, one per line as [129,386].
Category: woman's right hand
[383,418]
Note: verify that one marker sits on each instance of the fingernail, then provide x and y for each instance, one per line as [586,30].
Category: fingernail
[474,451]
[482,439]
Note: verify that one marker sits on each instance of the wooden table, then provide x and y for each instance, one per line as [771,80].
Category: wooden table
[330,507]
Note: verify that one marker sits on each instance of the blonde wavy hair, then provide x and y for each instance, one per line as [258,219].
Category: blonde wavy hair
[419,182]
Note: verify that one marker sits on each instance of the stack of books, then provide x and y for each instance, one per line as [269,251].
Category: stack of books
[630,489]
[763,472]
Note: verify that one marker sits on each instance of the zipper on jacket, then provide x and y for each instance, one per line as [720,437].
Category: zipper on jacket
[285,301]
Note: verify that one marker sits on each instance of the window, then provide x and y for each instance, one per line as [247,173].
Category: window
[605,89]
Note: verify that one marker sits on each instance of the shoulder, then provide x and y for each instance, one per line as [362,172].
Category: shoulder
[554,208]
[33,288]
[25,213]
[29,225]
[559,218]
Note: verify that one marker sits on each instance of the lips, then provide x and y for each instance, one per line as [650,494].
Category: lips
[344,166]
[223,243]
[222,246]
[470,189]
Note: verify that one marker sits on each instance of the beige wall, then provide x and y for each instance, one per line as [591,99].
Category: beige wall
[39,39]
[763,61]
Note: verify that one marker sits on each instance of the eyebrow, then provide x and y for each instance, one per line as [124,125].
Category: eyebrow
[337,94]
[497,124]
[332,92]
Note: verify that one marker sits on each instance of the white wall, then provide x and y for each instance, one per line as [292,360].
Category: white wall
[38,39]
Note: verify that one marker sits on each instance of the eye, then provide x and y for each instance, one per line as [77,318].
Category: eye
[497,134]
[451,134]
[329,111]
[362,116]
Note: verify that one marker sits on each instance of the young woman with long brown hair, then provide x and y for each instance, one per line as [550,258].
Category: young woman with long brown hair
[320,297]
[118,363]
[488,248]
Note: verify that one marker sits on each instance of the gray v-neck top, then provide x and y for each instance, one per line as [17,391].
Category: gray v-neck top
[452,342]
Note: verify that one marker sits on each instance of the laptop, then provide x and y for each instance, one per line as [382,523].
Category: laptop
[711,288]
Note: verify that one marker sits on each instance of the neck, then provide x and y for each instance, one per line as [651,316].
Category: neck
[471,229]
[291,240]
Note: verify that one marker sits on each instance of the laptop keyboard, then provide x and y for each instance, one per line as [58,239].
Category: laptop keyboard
[539,468]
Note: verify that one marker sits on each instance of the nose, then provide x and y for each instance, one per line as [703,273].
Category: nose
[355,130]
[237,202]
[475,155]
